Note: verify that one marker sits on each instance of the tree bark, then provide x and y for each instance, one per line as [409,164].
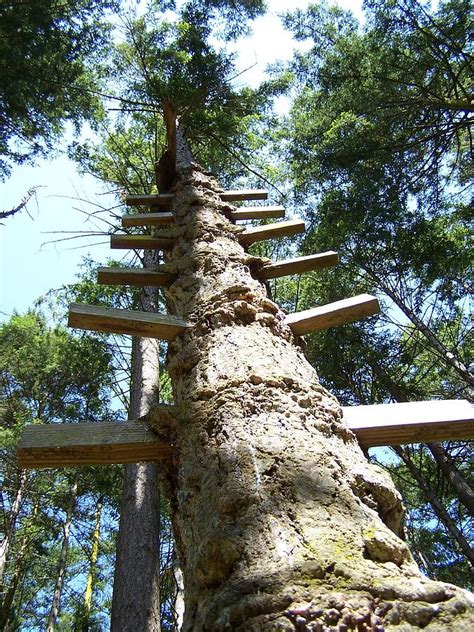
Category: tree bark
[280,521]
[136,597]
[58,587]
[463,490]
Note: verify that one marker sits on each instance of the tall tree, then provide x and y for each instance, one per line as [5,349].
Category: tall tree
[49,57]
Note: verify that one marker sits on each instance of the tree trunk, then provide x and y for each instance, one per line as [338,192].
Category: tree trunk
[87,605]
[58,587]
[280,521]
[438,347]
[136,597]
[17,573]
[463,490]
[438,507]
[11,522]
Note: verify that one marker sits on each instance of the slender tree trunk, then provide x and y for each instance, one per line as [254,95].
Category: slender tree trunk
[280,521]
[58,587]
[438,507]
[17,573]
[87,605]
[136,599]
[11,522]
[447,356]
[463,490]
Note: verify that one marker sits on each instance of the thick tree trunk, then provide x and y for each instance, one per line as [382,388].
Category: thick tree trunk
[463,490]
[58,587]
[280,521]
[136,595]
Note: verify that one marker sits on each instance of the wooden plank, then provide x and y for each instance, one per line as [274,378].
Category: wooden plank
[64,445]
[134,276]
[124,321]
[299,265]
[258,212]
[411,422]
[244,194]
[147,219]
[139,242]
[333,314]
[271,231]
[165,199]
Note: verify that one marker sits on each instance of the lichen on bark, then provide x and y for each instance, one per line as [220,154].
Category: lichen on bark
[280,521]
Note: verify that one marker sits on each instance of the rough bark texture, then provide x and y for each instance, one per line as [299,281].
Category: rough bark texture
[11,522]
[280,521]
[136,596]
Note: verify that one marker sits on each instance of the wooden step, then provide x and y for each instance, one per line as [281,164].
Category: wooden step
[140,242]
[271,231]
[165,199]
[299,265]
[411,422]
[243,194]
[134,276]
[66,445]
[333,314]
[258,212]
[147,219]
[124,321]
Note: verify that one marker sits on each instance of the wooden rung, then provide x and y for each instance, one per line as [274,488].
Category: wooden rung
[64,445]
[258,212]
[299,265]
[134,276]
[147,219]
[124,321]
[411,422]
[271,231]
[138,242]
[164,199]
[333,314]
[243,194]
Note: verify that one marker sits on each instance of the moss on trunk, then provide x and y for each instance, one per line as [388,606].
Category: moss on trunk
[280,521]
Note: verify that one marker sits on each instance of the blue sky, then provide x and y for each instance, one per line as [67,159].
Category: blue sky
[29,266]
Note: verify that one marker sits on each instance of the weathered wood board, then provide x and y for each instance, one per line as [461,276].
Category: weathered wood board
[333,314]
[411,422]
[271,231]
[164,199]
[258,212]
[134,276]
[65,445]
[124,321]
[147,219]
[140,242]
[299,265]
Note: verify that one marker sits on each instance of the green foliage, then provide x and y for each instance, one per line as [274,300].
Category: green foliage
[50,55]
[48,375]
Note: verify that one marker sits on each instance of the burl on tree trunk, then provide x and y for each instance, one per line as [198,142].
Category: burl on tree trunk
[280,521]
